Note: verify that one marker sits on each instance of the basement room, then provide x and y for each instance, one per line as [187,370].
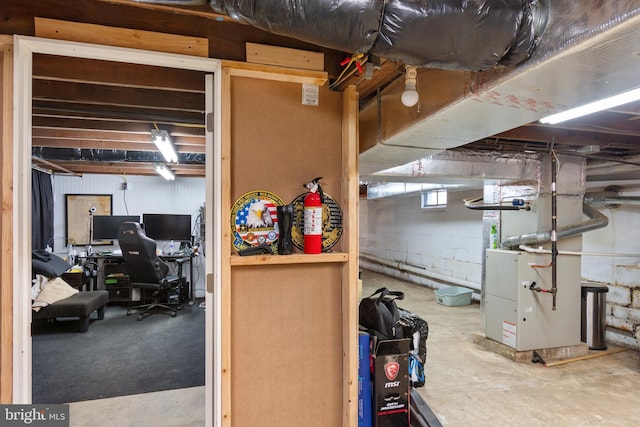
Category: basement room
[320,213]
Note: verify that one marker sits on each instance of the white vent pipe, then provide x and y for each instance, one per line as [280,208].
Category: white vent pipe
[421,271]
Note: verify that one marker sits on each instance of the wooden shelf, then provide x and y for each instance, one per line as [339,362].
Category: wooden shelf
[237,260]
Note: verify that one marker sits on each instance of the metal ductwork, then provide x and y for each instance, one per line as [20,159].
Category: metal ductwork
[587,51]
[444,34]
[596,220]
[577,52]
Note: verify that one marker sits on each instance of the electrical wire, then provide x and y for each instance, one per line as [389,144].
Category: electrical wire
[124,195]
[358,60]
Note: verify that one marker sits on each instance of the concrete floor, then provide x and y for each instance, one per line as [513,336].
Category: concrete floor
[172,408]
[466,385]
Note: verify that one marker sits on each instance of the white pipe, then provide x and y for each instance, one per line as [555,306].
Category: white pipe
[421,271]
[547,251]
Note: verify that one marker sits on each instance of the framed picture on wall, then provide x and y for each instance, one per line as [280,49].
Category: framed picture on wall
[80,209]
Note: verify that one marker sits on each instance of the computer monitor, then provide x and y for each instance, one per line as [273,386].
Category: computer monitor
[167,226]
[105,227]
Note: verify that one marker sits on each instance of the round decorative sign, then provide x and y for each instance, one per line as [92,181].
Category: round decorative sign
[254,220]
[331,222]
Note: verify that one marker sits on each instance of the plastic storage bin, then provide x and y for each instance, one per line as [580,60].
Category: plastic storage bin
[453,296]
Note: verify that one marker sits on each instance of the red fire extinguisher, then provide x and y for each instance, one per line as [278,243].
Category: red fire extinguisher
[313,218]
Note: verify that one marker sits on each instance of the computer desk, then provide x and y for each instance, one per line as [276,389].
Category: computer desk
[102,259]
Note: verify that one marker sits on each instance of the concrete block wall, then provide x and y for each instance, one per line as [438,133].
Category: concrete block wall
[616,263]
[443,241]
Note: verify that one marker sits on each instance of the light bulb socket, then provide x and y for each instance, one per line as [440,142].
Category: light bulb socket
[410,96]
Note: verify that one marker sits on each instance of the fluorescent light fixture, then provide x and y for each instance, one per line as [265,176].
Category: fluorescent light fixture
[410,96]
[592,107]
[163,142]
[166,173]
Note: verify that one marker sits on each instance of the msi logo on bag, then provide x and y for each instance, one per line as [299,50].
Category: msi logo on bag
[391,370]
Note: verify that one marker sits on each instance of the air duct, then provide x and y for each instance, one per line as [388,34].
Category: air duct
[596,220]
[445,34]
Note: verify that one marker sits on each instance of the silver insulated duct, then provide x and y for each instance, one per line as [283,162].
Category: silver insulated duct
[445,34]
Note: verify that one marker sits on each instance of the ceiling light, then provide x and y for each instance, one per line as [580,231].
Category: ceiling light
[163,142]
[410,95]
[592,107]
[166,173]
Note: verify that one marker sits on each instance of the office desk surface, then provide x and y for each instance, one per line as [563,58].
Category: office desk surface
[179,258]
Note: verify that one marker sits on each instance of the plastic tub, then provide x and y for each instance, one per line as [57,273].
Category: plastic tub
[453,296]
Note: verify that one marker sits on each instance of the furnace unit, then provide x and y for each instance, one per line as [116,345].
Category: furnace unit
[521,318]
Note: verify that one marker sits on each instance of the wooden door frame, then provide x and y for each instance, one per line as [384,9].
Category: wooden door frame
[6,220]
[24,48]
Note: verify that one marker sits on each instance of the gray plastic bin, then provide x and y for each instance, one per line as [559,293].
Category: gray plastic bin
[594,302]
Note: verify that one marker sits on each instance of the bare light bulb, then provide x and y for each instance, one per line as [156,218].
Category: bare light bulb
[410,96]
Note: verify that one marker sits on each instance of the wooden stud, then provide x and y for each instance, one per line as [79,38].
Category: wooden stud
[124,37]
[268,72]
[6,220]
[225,273]
[284,57]
[585,357]
[350,200]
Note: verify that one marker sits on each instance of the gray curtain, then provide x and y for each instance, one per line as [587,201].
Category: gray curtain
[41,210]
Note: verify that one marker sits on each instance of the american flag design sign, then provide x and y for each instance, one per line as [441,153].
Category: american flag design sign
[254,220]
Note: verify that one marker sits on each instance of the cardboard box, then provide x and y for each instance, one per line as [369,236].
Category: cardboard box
[391,383]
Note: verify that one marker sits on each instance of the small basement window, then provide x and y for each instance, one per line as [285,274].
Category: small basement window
[434,199]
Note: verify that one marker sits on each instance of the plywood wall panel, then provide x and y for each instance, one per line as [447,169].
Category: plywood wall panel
[287,346]
[280,144]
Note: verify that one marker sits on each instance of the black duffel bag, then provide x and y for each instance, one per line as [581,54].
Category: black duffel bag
[379,314]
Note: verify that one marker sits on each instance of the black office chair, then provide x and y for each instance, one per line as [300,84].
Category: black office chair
[146,271]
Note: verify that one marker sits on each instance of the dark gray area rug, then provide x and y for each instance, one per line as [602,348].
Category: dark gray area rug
[118,356]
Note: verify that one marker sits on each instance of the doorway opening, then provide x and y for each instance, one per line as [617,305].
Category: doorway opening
[25,48]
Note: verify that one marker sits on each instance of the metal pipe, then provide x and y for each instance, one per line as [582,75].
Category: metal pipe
[421,271]
[596,220]
[473,204]
[629,200]
[610,198]
[554,226]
